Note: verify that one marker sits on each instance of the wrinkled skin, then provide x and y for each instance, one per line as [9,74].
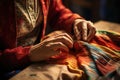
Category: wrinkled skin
[58,41]
[51,45]
[84,30]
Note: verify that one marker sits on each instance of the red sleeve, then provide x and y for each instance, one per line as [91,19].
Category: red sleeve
[14,58]
[61,17]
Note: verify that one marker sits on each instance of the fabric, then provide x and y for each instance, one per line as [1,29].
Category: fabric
[55,72]
[99,59]
[28,17]
[27,13]
[58,17]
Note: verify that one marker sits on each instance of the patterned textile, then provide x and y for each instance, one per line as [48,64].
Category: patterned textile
[99,59]
[28,16]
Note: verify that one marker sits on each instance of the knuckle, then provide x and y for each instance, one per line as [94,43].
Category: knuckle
[66,34]
[60,44]
[89,22]
[94,28]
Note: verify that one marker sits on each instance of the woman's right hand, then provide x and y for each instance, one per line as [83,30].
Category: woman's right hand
[51,45]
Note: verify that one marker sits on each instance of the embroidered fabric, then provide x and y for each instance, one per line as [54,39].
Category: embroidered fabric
[28,15]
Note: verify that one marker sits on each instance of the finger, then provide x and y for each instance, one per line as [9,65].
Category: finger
[58,46]
[77,32]
[84,31]
[53,34]
[92,31]
[56,34]
[91,23]
[66,35]
[65,40]
[92,34]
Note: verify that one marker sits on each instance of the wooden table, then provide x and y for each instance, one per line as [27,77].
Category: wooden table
[32,71]
[104,25]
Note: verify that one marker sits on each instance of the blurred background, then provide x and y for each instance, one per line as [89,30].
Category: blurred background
[96,10]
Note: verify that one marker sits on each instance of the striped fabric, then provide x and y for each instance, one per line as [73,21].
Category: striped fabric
[98,60]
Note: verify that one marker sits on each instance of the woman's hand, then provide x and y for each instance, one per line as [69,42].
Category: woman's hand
[84,30]
[51,45]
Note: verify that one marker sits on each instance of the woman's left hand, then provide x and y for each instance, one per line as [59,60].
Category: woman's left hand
[84,30]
